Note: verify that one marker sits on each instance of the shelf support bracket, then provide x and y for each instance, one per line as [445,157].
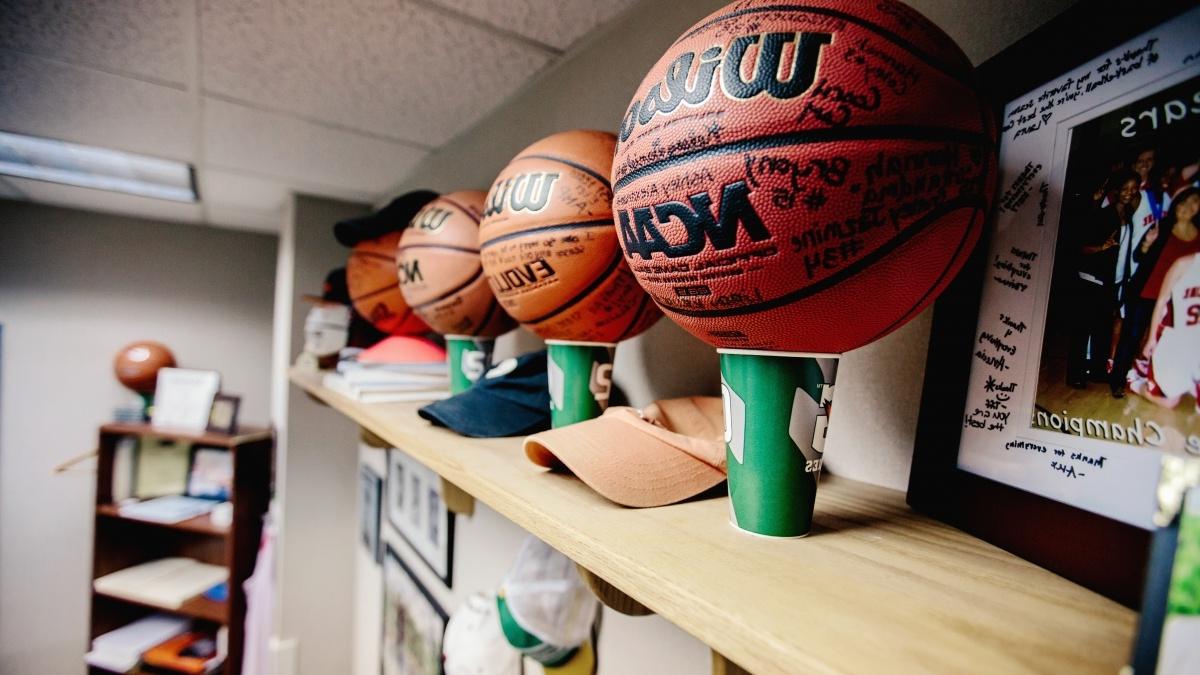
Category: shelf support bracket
[723,666]
[611,596]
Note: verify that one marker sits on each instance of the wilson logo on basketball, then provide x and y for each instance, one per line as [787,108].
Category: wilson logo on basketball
[641,236]
[524,192]
[664,97]
[409,271]
[430,220]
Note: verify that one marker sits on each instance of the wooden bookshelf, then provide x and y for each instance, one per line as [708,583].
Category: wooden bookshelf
[121,542]
[875,588]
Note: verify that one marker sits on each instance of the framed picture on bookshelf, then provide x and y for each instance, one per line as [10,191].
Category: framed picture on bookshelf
[370,498]
[413,622]
[1039,430]
[417,511]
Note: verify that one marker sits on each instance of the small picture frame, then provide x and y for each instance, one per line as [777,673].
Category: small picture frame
[370,497]
[417,511]
[223,416]
[210,473]
[414,623]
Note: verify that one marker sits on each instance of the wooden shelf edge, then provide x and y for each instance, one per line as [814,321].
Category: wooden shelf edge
[244,435]
[198,607]
[200,525]
[876,586]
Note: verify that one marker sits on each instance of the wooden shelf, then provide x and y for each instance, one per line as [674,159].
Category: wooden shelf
[244,436]
[875,588]
[198,525]
[198,607]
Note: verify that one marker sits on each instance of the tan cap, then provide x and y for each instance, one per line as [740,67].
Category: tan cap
[672,450]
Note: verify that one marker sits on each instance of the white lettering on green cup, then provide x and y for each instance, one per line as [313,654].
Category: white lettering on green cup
[469,358]
[579,375]
[776,413]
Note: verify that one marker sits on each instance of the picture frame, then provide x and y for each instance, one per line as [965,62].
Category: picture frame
[418,512]
[370,500]
[210,473]
[223,416]
[1101,544]
[414,623]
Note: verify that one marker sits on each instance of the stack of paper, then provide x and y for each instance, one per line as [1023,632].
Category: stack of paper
[121,650]
[170,509]
[167,582]
[389,382]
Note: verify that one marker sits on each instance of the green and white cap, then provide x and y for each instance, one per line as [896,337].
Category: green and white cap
[474,644]
[546,610]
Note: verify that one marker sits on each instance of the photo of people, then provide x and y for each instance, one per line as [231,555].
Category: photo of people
[413,623]
[1121,352]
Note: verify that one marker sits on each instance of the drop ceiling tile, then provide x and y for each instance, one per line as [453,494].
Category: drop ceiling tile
[236,190]
[386,67]
[307,156]
[46,98]
[141,37]
[558,23]
[108,202]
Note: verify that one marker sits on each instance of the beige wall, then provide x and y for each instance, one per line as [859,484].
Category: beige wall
[76,286]
[871,435]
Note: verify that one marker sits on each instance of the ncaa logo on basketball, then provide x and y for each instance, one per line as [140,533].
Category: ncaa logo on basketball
[641,236]
[430,220]
[523,192]
[665,96]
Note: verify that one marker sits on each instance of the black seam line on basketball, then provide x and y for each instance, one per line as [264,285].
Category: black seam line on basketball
[637,317]
[574,165]
[462,208]
[373,254]
[448,247]
[962,78]
[487,316]
[973,201]
[375,292]
[452,291]
[548,228]
[880,132]
[600,279]
[946,270]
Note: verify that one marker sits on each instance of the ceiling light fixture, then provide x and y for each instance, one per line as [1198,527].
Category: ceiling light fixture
[92,167]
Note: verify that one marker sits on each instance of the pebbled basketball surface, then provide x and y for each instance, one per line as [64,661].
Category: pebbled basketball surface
[548,245]
[803,176]
[373,284]
[439,270]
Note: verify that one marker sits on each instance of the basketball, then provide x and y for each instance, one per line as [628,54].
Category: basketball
[374,284]
[803,178]
[136,365]
[549,248]
[440,274]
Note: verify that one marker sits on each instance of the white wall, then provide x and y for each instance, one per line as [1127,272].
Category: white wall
[871,434]
[76,286]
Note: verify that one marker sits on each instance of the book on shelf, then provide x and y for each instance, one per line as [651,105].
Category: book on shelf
[166,582]
[383,394]
[169,509]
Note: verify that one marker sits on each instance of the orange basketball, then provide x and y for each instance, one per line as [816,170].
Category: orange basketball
[137,364]
[549,248]
[374,285]
[803,177]
[440,274]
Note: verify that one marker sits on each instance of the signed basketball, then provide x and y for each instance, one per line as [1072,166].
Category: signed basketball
[803,177]
[374,284]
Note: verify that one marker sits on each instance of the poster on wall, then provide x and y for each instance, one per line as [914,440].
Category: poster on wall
[1086,365]
[370,493]
[413,622]
[416,509]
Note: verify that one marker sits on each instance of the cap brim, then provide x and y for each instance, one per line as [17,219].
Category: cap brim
[480,413]
[583,662]
[623,464]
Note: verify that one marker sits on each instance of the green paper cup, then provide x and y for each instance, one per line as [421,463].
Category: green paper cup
[776,411]
[580,378]
[470,358]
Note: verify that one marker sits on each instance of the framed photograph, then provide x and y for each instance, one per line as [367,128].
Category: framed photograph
[210,474]
[413,622]
[223,416]
[418,512]
[370,499]
[1060,368]
[183,398]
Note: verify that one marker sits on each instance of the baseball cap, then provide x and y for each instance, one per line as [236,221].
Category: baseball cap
[333,290]
[511,399]
[547,612]
[671,451]
[395,216]
[474,644]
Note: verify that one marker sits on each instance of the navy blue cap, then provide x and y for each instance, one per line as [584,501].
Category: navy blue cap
[512,399]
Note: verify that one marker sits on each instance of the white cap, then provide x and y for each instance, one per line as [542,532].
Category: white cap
[474,644]
[546,596]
